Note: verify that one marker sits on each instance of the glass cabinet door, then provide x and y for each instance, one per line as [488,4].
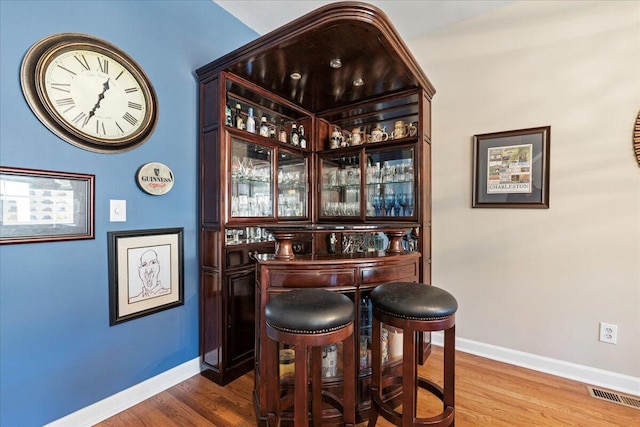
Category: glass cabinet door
[390,179]
[292,185]
[365,327]
[340,190]
[251,179]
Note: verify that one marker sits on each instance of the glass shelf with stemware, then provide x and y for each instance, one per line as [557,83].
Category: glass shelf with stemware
[390,183]
[340,186]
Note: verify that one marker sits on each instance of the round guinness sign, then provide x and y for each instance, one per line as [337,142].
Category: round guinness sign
[154,178]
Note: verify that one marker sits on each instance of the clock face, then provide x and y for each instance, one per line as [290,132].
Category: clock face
[89,92]
[94,94]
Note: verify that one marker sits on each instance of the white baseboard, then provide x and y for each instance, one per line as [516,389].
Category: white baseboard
[118,402]
[585,374]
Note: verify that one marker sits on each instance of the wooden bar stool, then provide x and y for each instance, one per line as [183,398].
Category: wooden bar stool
[303,319]
[414,308]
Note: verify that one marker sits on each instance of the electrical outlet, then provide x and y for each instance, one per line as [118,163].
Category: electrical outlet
[608,333]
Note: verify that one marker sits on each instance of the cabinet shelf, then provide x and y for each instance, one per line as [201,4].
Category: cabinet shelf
[383,182]
[256,137]
[290,186]
[390,143]
[247,180]
[340,187]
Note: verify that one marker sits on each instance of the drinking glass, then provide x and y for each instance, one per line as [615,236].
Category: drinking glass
[377,205]
[396,205]
[404,203]
[389,201]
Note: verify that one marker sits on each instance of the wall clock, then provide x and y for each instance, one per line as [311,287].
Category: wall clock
[89,92]
[636,139]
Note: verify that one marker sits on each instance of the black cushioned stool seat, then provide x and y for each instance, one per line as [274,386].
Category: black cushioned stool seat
[414,308]
[303,319]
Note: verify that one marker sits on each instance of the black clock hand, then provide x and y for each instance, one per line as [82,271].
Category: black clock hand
[105,87]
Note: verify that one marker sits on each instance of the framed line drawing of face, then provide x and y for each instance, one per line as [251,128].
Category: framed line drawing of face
[145,272]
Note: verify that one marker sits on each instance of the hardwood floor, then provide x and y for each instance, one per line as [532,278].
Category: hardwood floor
[488,393]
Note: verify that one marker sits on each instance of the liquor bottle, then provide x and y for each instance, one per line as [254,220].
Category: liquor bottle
[251,122]
[228,120]
[237,119]
[282,137]
[295,137]
[264,127]
[303,139]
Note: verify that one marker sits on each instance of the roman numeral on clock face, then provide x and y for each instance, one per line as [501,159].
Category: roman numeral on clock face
[104,65]
[79,117]
[67,70]
[132,120]
[100,128]
[83,61]
[64,101]
[63,87]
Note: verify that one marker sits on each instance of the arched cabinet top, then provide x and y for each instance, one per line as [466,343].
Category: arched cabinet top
[358,34]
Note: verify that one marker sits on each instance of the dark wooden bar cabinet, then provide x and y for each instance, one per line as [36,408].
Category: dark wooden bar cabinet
[323,124]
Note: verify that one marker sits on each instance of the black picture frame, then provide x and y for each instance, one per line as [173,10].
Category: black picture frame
[145,272]
[511,169]
[45,206]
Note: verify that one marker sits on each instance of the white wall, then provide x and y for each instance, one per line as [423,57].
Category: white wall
[535,280]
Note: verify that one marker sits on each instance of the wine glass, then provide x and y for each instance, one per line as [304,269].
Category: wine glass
[396,205]
[236,167]
[389,201]
[404,203]
[409,205]
[377,204]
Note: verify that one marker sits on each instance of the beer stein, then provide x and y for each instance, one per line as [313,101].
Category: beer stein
[378,135]
[356,137]
[400,130]
[336,139]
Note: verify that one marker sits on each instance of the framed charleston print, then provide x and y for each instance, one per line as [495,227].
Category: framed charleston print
[511,169]
[145,272]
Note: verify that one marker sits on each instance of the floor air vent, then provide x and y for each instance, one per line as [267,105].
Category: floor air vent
[630,401]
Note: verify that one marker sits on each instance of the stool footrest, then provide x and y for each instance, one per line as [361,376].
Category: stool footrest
[386,407]
[431,387]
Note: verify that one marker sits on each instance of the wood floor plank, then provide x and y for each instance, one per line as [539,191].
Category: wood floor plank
[488,393]
[196,395]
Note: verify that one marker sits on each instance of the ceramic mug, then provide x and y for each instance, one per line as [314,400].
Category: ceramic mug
[378,135]
[356,137]
[413,129]
[336,139]
[400,130]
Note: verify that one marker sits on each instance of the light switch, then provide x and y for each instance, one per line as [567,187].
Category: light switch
[118,210]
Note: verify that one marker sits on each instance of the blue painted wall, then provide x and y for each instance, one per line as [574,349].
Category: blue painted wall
[58,353]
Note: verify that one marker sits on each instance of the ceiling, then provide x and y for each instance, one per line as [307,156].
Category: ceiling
[411,18]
